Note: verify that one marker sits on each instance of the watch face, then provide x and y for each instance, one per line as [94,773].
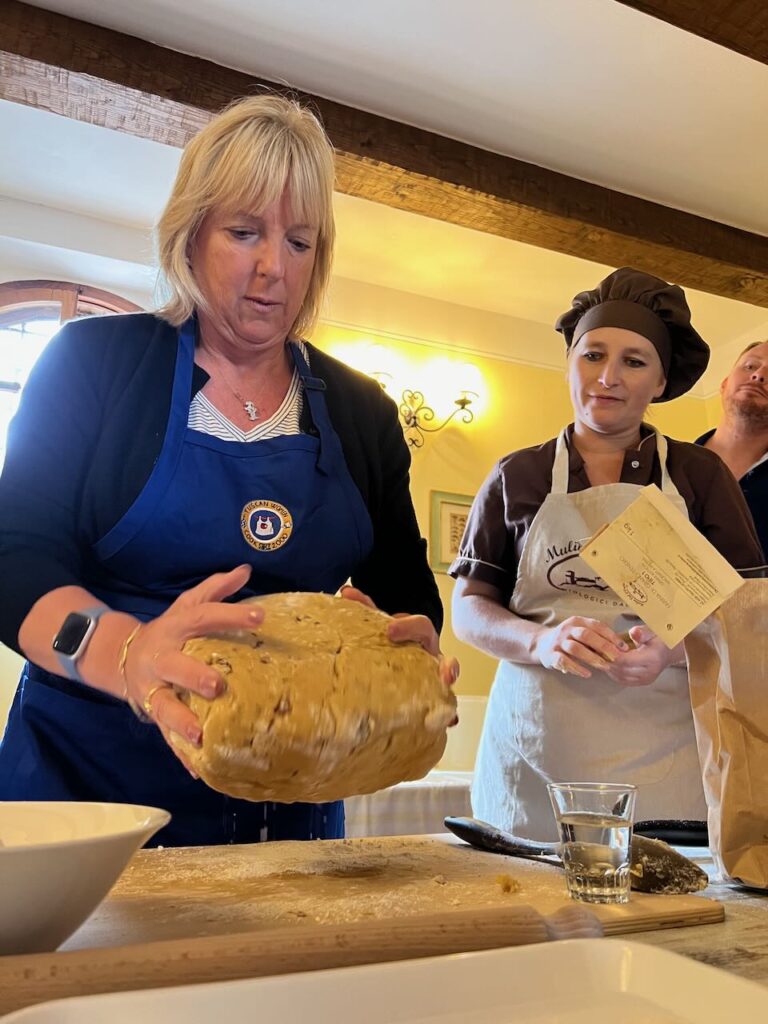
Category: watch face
[71,634]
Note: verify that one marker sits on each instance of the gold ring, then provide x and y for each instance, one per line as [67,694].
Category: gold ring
[147,702]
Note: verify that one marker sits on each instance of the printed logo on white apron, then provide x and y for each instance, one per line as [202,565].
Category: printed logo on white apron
[566,571]
[266,525]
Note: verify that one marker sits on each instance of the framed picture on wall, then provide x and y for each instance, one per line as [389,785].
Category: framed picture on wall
[448,517]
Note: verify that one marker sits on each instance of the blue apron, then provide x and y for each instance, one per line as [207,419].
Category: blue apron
[287,506]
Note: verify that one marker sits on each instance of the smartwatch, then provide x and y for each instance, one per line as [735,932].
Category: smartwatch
[71,642]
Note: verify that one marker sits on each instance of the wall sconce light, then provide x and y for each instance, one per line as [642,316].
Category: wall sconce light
[417,417]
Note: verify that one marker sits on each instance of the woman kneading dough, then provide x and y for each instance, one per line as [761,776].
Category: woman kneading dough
[161,465]
[572,700]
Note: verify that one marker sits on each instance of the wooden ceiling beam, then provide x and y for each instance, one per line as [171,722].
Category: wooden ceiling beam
[106,78]
[740,25]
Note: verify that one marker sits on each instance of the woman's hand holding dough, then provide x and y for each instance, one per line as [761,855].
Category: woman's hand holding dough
[155,668]
[415,629]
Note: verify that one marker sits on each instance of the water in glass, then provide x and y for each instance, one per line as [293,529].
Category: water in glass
[595,852]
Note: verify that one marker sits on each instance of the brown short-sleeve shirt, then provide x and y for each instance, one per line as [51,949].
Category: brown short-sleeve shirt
[516,487]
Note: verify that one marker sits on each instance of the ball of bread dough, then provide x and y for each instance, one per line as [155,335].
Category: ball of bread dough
[319,704]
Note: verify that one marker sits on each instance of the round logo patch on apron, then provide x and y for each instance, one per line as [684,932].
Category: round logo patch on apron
[266,525]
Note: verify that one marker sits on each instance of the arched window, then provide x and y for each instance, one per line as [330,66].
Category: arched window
[30,314]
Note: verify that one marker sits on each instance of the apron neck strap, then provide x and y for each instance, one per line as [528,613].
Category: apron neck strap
[310,383]
[667,486]
[185,365]
[313,390]
[561,465]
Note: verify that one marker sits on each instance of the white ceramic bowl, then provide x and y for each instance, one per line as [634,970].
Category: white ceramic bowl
[57,863]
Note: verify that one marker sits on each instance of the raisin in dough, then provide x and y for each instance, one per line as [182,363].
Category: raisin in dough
[320,705]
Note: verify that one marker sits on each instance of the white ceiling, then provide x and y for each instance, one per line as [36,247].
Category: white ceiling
[587,87]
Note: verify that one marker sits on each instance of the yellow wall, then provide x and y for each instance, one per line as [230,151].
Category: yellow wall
[523,405]
[714,411]
[685,418]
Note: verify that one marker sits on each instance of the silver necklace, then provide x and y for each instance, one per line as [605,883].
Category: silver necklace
[252,410]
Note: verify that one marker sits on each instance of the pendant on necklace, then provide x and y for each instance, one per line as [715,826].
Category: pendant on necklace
[251,411]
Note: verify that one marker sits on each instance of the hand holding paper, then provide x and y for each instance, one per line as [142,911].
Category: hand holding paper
[647,659]
[660,564]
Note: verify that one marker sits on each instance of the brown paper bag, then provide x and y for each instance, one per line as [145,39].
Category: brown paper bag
[728,671]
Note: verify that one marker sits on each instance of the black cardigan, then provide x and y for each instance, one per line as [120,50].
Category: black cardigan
[89,429]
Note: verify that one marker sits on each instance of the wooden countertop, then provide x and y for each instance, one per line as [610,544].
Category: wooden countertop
[225,912]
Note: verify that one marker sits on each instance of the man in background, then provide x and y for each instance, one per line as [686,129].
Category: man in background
[741,438]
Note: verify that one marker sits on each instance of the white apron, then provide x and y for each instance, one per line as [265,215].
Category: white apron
[543,726]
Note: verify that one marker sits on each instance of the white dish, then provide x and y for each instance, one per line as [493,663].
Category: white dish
[58,860]
[574,982]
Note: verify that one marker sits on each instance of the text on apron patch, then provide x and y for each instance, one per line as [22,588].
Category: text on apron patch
[266,525]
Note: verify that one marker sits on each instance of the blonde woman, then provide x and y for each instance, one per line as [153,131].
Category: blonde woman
[573,700]
[161,464]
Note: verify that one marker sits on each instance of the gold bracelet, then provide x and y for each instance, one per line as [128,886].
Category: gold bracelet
[142,715]
[124,657]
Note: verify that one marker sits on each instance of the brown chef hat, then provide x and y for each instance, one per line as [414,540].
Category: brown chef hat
[649,306]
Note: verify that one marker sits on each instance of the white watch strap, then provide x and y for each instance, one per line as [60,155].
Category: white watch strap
[68,662]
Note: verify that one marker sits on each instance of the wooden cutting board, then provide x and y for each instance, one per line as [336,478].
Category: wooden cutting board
[190,915]
[199,891]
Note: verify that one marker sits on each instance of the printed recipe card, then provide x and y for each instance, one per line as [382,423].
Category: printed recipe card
[666,571]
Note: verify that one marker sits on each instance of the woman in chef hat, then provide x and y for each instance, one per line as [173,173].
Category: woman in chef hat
[575,699]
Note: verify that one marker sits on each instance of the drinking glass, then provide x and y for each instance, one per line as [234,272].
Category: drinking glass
[594,820]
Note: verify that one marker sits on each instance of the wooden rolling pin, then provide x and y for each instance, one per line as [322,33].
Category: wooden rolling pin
[39,977]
